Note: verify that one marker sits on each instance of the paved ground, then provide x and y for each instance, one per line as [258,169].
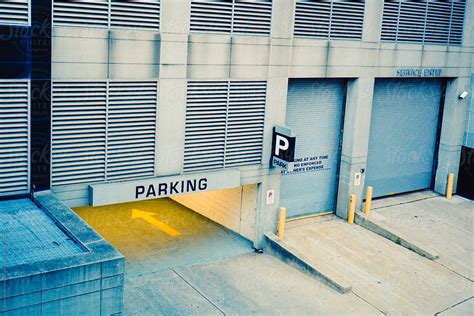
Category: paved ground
[447,226]
[388,276]
[180,263]
[248,284]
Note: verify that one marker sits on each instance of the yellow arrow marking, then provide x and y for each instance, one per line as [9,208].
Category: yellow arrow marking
[147,216]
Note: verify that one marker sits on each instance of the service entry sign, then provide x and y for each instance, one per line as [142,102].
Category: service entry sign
[129,191]
[283,148]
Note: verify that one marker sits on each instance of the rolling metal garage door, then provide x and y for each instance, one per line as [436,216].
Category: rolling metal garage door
[315,112]
[403,135]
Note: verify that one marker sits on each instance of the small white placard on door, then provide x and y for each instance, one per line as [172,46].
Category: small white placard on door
[270,197]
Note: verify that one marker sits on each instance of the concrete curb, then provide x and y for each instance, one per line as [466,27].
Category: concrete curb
[393,235]
[292,257]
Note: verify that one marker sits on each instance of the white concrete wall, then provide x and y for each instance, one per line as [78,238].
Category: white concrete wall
[235,209]
[175,56]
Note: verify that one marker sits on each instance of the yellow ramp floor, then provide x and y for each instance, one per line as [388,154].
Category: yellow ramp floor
[161,234]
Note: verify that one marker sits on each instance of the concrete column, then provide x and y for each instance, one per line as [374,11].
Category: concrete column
[174,29]
[267,215]
[283,13]
[171,126]
[452,132]
[355,142]
[372,21]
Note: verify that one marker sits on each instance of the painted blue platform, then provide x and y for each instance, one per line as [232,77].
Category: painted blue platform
[28,235]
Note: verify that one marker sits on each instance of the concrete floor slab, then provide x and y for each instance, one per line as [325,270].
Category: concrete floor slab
[263,285]
[165,293]
[465,308]
[390,277]
[446,226]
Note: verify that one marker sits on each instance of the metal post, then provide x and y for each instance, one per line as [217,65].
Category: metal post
[449,189]
[281,223]
[352,206]
[368,200]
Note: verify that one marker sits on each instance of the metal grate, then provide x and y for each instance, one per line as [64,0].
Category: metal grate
[14,140]
[108,13]
[15,12]
[103,131]
[433,22]
[81,13]
[131,129]
[245,123]
[136,14]
[329,19]
[231,16]
[78,132]
[252,17]
[224,124]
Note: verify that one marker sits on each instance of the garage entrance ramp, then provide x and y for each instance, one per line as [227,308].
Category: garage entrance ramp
[161,234]
[391,278]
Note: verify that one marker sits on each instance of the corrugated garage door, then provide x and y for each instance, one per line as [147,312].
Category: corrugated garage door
[315,112]
[403,135]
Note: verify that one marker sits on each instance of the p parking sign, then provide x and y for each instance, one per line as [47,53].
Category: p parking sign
[283,148]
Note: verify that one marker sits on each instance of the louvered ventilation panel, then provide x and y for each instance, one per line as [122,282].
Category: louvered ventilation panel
[252,17]
[457,23]
[81,13]
[131,129]
[347,20]
[433,22]
[411,21]
[14,12]
[211,16]
[245,123]
[14,130]
[329,19]
[135,14]
[206,112]
[78,132]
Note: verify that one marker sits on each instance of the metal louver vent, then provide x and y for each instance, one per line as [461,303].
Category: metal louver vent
[245,123]
[211,16]
[103,131]
[432,22]
[224,124]
[206,116]
[14,140]
[329,19]
[137,14]
[231,16]
[252,17]
[81,13]
[131,129]
[79,114]
[15,12]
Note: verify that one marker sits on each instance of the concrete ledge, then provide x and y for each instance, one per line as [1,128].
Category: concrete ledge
[293,258]
[394,236]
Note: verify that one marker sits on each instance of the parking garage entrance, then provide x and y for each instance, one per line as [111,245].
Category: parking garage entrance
[159,234]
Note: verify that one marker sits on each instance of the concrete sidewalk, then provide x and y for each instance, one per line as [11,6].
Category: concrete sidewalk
[446,226]
[391,278]
[249,284]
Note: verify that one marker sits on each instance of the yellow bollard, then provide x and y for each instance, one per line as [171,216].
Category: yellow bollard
[352,207]
[281,223]
[368,200]
[449,189]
